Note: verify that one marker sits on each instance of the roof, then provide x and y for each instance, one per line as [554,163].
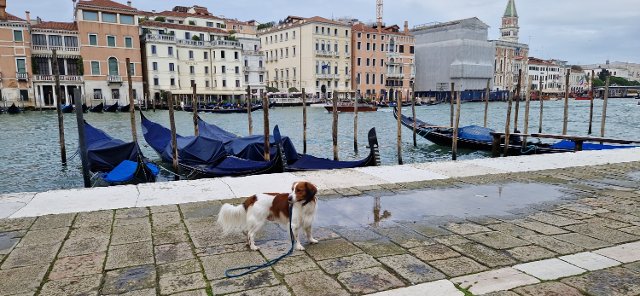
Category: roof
[182,27]
[510,11]
[57,26]
[108,4]
[11,17]
[186,15]
[361,27]
[320,19]
[467,21]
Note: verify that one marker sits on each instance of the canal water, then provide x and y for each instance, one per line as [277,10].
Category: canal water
[30,158]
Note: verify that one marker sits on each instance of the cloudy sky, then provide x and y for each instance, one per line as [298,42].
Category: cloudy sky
[579,31]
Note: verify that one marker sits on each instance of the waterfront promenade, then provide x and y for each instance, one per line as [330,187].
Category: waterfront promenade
[563,223]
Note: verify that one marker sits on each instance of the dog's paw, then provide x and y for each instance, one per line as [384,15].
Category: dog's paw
[254,248]
[313,240]
[299,247]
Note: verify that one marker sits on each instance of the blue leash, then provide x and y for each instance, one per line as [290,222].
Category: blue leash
[252,268]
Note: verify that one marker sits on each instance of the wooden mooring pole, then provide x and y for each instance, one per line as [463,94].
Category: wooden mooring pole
[604,106]
[453,93]
[84,158]
[591,91]
[541,109]
[249,108]
[132,103]
[334,126]
[486,101]
[265,112]
[527,104]
[454,148]
[174,140]
[194,106]
[304,121]
[413,112]
[56,75]
[355,125]
[507,128]
[565,120]
[399,138]
[518,87]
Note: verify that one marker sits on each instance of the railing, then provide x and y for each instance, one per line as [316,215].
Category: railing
[73,78]
[252,52]
[325,76]
[395,75]
[57,48]
[191,42]
[225,43]
[22,76]
[324,53]
[114,79]
[160,37]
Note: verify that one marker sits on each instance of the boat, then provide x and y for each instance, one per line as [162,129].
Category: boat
[116,162]
[98,108]
[85,109]
[113,108]
[253,146]
[13,109]
[66,108]
[124,108]
[479,138]
[219,110]
[582,98]
[350,107]
[204,157]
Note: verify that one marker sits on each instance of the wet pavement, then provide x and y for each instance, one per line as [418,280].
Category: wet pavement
[585,222]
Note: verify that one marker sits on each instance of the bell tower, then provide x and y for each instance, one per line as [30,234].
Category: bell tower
[509,29]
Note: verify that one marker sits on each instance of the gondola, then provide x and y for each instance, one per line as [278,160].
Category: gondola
[203,157]
[66,108]
[97,109]
[124,108]
[294,161]
[111,109]
[13,109]
[115,162]
[85,109]
[231,110]
[479,138]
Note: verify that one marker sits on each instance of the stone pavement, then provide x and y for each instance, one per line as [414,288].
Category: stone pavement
[586,242]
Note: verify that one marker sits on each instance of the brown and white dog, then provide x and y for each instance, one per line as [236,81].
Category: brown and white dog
[253,213]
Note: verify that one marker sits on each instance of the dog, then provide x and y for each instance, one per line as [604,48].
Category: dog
[253,213]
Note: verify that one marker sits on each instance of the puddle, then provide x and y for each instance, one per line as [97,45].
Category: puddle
[634,176]
[457,203]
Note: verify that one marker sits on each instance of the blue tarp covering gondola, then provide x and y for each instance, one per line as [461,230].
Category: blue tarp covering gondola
[476,133]
[570,145]
[105,152]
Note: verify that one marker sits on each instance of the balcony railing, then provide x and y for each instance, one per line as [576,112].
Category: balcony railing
[395,75]
[114,79]
[226,43]
[57,48]
[189,42]
[324,53]
[22,76]
[327,76]
[160,37]
[70,78]
[252,52]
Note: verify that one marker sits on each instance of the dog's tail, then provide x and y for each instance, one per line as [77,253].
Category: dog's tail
[232,219]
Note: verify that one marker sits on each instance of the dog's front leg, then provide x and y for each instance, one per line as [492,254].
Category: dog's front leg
[307,230]
[296,236]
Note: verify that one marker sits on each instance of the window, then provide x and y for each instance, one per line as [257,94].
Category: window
[97,94]
[90,15]
[55,40]
[224,69]
[335,47]
[126,19]
[155,66]
[368,46]
[236,55]
[359,45]
[171,67]
[170,51]
[374,62]
[111,41]
[246,78]
[411,49]
[17,36]
[192,70]
[335,32]
[113,66]
[115,94]
[70,41]
[206,69]
[207,84]
[210,24]
[95,68]
[128,42]
[294,51]
[368,62]
[237,70]
[156,81]
[206,55]
[191,54]
[224,83]
[261,78]
[21,65]
[346,48]
[358,61]
[132,69]
[237,83]
[39,39]
[187,35]
[42,65]
[401,48]
[172,81]
[374,45]
[222,54]
[109,17]
[294,35]
[154,50]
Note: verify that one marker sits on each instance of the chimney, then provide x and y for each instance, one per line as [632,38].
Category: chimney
[129,3]
[3,10]
[28,16]
[406,27]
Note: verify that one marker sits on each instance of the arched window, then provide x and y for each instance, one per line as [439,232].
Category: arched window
[392,45]
[113,66]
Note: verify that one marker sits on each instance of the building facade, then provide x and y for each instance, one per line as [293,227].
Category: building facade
[383,60]
[15,64]
[455,51]
[511,56]
[312,53]
[108,35]
[546,76]
[63,38]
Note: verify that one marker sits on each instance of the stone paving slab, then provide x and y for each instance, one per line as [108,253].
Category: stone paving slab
[624,253]
[494,280]
[590,261]
[399,174]
[437,288]
[549,269]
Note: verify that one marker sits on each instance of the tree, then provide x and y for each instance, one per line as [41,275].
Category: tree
[193,23]
[272,89]
[80,65]
[603,74]
[195,38]
[159,19]
[265,25]
[293,89]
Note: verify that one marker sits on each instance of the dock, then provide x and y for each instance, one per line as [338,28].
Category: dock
[565,223]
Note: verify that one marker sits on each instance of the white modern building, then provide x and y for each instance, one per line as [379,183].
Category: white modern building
[312,53]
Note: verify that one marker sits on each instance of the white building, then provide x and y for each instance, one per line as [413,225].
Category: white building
[546,75]
[253,64]
[309,53]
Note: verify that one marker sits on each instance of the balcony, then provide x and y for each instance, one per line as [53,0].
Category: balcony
[395,75]
[160,37]
[324,53]
[114,79]
[22,76]
[49,48]
[192,42]
[252,52]
[326,76]
[63,78]
[254,69]
[226,43]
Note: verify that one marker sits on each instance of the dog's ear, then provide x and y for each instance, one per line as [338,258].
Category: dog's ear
[311,190]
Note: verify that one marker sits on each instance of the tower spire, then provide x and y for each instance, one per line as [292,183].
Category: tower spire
[509,29]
